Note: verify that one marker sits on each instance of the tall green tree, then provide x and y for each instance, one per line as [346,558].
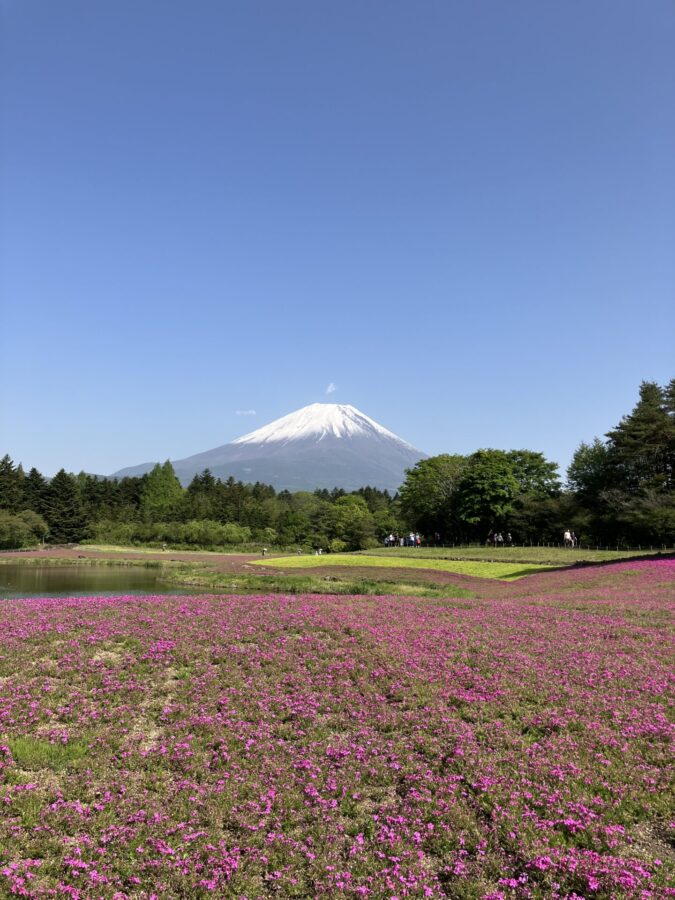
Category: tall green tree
[201,496]
[625,486]
[11,485]
[588,473]
[487,491]
[100,496]
[427,496]
[640,447]
[354,525]
[34,491]
[389,521]
[162,494]
[294,527]
[669,403]
[130,494]
[536,475]
[63,510]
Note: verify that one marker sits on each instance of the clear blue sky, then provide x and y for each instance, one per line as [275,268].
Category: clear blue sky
[460,214]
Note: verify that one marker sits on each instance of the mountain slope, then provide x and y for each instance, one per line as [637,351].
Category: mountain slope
[324,445]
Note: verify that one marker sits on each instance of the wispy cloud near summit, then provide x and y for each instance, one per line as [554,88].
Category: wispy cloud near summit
[246,412]
[332,387]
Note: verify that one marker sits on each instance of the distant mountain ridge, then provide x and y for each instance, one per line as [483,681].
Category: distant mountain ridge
[323,445]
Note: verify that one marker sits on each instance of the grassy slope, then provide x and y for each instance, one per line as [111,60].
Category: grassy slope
[501,570]
[543,556]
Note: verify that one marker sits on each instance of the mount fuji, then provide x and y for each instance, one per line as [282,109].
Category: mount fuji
[324,445]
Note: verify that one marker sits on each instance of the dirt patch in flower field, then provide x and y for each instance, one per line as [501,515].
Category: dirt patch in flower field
[651,840]
[107,656]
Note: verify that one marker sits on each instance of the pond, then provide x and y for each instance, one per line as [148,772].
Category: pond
[83,581]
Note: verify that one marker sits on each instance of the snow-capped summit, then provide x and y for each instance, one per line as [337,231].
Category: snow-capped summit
[323,445]
[318,421]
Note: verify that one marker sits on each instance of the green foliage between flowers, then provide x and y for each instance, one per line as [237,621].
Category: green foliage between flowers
[34,753]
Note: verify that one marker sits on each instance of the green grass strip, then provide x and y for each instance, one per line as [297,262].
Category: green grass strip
[503,571]
[532,556]
[37,753]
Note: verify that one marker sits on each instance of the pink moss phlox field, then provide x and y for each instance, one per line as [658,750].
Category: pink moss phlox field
[512,746]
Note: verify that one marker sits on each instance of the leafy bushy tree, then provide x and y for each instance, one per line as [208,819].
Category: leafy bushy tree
[21,530]
[587,473]
[487,490]
[427,496]
[354,525]
[536,475]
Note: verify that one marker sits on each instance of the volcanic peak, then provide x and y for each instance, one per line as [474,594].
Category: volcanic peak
[317,421]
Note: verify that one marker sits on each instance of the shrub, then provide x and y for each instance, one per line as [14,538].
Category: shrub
[19,531]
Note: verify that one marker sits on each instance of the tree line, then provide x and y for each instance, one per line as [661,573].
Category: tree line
[620,490]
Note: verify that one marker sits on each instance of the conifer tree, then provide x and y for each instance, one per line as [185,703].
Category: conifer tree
[639,457]
[669,403]
[63,510]
[11,485]
[162,494]
[34,491]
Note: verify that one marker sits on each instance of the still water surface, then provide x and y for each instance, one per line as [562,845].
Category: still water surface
[83,581]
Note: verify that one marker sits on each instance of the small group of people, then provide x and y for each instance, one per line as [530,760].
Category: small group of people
[401,540]
[569,538]
[497,539]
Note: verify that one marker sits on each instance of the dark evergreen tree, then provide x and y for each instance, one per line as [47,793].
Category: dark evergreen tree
[669,403]
[374,497]
[34,491]
[11,485]
[130,493]
[625,487]
[639,448]
[63,510]
[201,496]
[263,491]
[100,497]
